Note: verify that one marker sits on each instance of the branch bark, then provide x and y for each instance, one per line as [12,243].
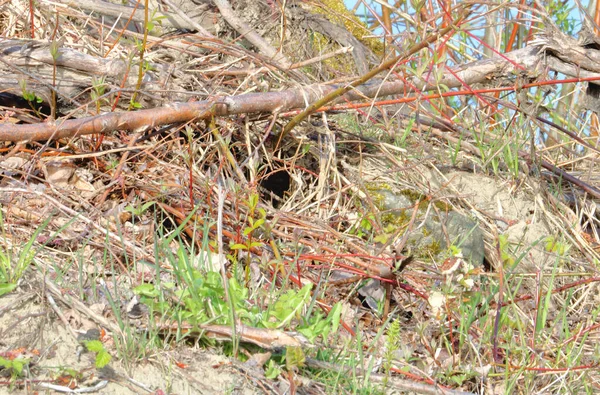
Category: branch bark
[534,61]
[249,34]
[204,19]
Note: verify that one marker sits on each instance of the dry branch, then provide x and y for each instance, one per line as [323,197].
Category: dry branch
[184,112]
[268,339]
[531,61]
[32,53]
[203,17]
[362,55]
[31,58]
[201,30]
[229,15]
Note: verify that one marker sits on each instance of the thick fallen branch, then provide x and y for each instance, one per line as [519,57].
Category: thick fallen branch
[74,69]
[532,61]
[184,112]
[202,15]
[269,339]
[33,53]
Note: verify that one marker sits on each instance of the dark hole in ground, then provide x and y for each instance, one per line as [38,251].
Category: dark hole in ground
[10,100]
[274,186]
[487,266]
[167,223]
[405,315]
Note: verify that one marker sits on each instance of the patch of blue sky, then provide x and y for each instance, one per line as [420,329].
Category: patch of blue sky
[567,15]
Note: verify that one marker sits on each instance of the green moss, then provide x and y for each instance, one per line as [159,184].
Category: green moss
[378,186]
[432,249]
[412,195]
[320,43]
[374,192]
[397,219]
[445,207]
[337,12]
[415,196]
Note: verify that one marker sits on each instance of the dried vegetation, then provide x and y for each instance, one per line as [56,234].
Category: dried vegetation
[153,198]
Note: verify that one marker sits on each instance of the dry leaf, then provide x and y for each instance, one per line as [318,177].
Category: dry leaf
[58,173]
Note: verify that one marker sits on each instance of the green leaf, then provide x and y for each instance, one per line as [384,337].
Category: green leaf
[139,210]
[294,357]
[54,47]
[382,238]
[239,247]
[102,359]
[17,365]
[273,370]
[148,290]
[6,288]
[256,244]
[253,201]
[94,345]
[5,363]
[309,333]
[290,304]
[335,314]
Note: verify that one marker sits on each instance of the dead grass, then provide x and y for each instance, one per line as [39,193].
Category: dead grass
[134,246]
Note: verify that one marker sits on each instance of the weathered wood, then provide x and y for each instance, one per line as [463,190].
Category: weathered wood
[201,16]
[532,61]
[31,61]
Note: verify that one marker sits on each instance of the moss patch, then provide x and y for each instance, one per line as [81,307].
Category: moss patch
[337,12]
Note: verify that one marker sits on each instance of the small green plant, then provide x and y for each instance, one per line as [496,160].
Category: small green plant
[30,96]
[455,151]
[98,90]
[198,294]
[511,158]
[255,219]
[273,370]
[508,259]
[458,377]
[401,141]
[294,358]
[204,302]
[102,356]
[392,345]
[364,228]
[155,20]
[134,104]
[562,13]
[54,50]
[556,246]
[139,210]
[12,264]
[8,280]
[14,366]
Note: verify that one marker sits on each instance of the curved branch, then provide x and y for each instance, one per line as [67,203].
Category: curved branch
[483,72]
[249,34]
